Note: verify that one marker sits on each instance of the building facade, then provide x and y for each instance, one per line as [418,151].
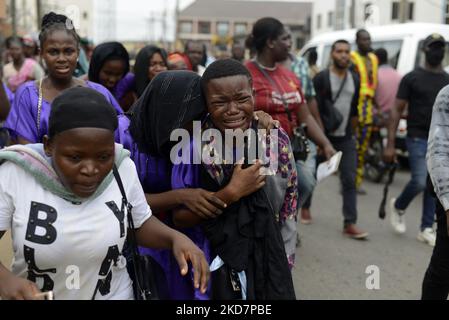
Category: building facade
[331,15]
[220,23]
[82,12]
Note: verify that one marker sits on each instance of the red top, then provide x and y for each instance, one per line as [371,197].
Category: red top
[268,98]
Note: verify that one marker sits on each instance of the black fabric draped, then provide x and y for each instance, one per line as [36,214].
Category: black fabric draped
[171,101]
[105,52]
[247,238]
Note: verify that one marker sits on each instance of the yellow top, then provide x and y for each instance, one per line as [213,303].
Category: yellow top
[367,88]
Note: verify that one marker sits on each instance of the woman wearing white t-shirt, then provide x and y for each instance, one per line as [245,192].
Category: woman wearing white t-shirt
[63,207]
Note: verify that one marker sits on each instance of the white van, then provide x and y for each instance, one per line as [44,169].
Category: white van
[402,41]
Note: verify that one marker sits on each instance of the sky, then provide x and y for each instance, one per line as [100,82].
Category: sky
[136,16]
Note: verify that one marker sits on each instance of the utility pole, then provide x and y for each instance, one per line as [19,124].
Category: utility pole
[176,25]
[13,17]
[39,13]
[164,27]
[352,15]
[403,11]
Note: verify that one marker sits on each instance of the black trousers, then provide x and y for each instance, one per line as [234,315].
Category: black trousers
[436,280]
[348,167]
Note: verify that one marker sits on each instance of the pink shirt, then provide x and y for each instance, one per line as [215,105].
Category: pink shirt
[387,89]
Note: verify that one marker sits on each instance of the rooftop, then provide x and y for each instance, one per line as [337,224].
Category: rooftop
[287,12]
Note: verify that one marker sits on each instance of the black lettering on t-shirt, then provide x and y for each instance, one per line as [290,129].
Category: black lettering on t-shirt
[47,224]
[104,283]
[119,214]
[35,273]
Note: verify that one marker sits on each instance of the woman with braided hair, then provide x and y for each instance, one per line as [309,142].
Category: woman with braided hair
[28,119]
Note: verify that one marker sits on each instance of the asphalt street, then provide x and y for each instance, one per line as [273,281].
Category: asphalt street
[330,266]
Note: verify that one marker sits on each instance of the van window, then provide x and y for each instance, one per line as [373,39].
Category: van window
[326,57]
[393,48]
[420,57]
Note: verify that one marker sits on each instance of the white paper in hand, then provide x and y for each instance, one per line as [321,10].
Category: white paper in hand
[329,167]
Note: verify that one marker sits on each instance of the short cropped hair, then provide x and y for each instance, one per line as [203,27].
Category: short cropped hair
[222,69]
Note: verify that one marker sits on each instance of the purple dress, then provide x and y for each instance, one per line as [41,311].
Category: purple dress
[9,94]
[22,120]
[124,86]
[155,177]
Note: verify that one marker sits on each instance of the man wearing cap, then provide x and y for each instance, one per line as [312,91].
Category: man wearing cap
[417,90]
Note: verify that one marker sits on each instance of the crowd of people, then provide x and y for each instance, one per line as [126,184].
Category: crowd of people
[75,121]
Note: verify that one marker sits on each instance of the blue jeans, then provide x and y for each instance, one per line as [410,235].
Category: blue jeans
[306,175]
[417,149]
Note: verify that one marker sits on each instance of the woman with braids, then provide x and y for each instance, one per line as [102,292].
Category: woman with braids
[28,120]
[150,61]
[109,67]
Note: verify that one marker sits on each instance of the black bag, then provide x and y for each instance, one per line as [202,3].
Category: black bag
[299,140]
[300,143]
[149,281]
[331,117]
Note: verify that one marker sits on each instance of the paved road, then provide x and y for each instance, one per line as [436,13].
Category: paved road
[329,266]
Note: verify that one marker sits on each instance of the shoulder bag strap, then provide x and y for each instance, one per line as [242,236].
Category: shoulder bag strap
[341,87]
[125,202]
[267,76]
[132,234]
[132,240]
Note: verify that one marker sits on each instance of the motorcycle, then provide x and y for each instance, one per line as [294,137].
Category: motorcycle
[375,167]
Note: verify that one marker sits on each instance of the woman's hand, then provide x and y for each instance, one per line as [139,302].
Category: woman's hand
[201,202]
[186,251]
[246,181]
[15,288]
[266,121]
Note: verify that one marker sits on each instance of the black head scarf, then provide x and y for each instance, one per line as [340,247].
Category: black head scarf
[81,107]
[142,66]
[103,53]
[171,101]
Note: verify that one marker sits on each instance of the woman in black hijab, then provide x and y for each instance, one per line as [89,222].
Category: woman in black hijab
[173,100]
[150,61]
[110,67]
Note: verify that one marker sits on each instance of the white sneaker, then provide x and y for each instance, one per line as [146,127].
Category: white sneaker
[397,219]
[427,236]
